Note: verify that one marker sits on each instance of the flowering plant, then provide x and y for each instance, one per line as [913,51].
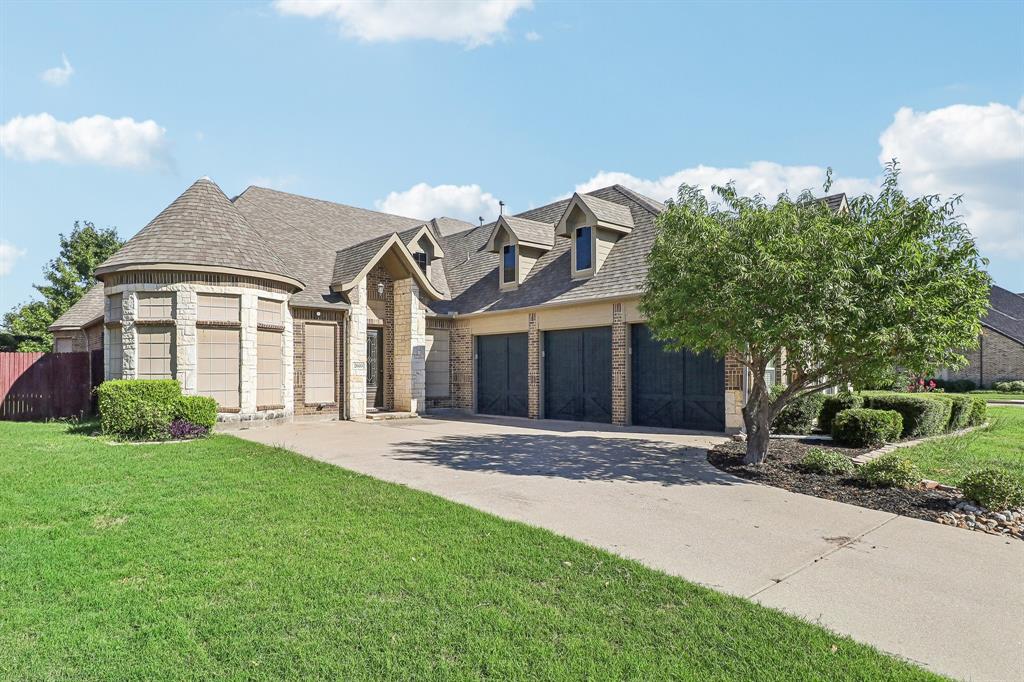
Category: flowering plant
[181,429]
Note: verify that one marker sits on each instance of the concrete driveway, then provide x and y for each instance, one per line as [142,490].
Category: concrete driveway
[949,599]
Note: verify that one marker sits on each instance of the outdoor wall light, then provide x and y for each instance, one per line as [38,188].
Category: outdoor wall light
[380,288]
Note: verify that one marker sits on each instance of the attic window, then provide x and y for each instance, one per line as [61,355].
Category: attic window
[508,264]
[584,250]
[422,260]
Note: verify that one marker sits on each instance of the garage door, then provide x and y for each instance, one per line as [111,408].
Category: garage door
[578,374]
[680,390]
[501,375]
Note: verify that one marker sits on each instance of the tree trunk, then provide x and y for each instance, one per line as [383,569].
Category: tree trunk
[758,421]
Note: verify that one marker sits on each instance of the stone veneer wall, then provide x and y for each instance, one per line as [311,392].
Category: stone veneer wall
[186,288]
[300,317]
[997,358]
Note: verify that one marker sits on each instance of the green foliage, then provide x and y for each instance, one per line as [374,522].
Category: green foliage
[67,276]
[892,282]
[834,404]
[956,385]
[890,471]
[197,409]
[138,409]
[922,416]
[960,411]
[1016,386]
[798,415]
[819,461]
[993,489]
[979,411]
[861,427]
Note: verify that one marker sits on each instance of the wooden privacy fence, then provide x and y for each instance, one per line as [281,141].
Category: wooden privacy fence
[48,385]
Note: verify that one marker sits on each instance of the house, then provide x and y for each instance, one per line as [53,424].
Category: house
[276,305]
[1000,352]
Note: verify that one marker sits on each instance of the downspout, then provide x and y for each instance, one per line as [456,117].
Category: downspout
[981,359]
[344,367]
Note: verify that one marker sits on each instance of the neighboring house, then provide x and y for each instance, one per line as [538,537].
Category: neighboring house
[276,304]
[1000,352]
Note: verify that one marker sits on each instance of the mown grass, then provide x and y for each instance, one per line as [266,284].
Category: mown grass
[1000,445]
[224,558]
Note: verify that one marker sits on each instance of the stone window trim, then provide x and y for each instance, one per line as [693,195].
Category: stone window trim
[228,410]
[215,324]
[267,327]
[155,323]
[263,408]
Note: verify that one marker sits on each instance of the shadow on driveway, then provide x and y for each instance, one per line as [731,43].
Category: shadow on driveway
[573,457]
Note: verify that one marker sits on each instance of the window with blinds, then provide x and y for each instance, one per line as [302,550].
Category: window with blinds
[269,312]
[219,365]
[155,351]
[320,358]
[113,312]
[268,368]
[115,353]
[156,306]
[218,308]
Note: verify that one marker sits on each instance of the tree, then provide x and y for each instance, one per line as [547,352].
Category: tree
[846,296]
[68,277]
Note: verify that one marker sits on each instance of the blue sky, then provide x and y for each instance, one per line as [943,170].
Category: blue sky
[439,108]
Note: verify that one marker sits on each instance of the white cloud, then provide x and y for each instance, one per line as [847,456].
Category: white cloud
[8,254]
[91,139]
[279,182]
[469,23]
[977,151]
[532,36]
[58,75]
[760,177]
[467,202]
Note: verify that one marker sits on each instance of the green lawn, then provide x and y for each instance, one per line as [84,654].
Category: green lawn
[1000,444]
[224,558]
[995,395]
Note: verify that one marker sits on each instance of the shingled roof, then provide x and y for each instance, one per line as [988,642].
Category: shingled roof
[200,228]
[531,232]
[85,311]
[1005,313]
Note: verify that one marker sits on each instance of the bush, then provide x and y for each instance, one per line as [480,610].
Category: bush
[833,405]
[799,414]
[1017,386]
[818,461]
[957,385]
[197,409]
[959,409]
[860,427]
[139,409]
[890,471]
[182,429]
[993,489]
[1009,386]
[921,416]
[979,411]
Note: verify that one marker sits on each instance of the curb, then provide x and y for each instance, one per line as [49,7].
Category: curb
[885,449]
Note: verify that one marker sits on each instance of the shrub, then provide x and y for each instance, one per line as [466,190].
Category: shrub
[139,409]
[859,427]
[833,405]
[818,461]
[890,471]
[959,409]
[921,416]
[993,489]
[182,429]
[1016,386]
[197,409]
[979,411]
[798,416]
[957,385]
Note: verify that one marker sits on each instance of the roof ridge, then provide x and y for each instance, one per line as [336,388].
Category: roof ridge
[275,217]
[652,205]
[329,203]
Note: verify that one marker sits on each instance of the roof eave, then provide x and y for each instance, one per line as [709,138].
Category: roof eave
[411,266]
[189,267]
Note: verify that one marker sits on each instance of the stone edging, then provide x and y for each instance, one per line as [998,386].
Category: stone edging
[885,449]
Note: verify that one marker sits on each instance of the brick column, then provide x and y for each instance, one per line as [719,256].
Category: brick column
[620,366]
[533,355]
[355,357]
[460,349]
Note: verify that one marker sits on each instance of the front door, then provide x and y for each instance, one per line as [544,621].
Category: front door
[375,367]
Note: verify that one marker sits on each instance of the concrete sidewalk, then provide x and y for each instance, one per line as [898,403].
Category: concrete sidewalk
[949,599]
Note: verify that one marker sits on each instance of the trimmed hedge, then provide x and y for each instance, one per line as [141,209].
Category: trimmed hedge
[819,461]
[140,409]
[196,409]
[860,427]
[921,416]
[1016,386]
[979,411]
[956,385]
[890,471]
[993,489]
[833,405]
[798,415]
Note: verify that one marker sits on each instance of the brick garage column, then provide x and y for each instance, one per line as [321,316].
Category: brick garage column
[533,367]
[620,366]
[409,347]
[460,358]
[733,394]
[355,357]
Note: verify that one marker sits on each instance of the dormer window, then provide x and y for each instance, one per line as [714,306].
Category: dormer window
[584,248]
[422,260]
[508,264]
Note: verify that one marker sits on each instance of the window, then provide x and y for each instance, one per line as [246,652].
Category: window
[218,365]
[268,368]
[156,306]
[269,312]
[115,353]
[113,311]
[437,344]
[773,372]
[508,264]
[584,249]
[155,352]
[320,357]
[422,260]
[63,345]
[218,308]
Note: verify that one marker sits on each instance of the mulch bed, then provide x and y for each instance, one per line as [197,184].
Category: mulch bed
[780,470]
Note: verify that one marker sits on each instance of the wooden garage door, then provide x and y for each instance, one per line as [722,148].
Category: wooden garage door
[578,374]
[679,390]
[501,386]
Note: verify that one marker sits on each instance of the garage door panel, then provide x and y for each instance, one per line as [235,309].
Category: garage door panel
[577,374]
[501,375]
